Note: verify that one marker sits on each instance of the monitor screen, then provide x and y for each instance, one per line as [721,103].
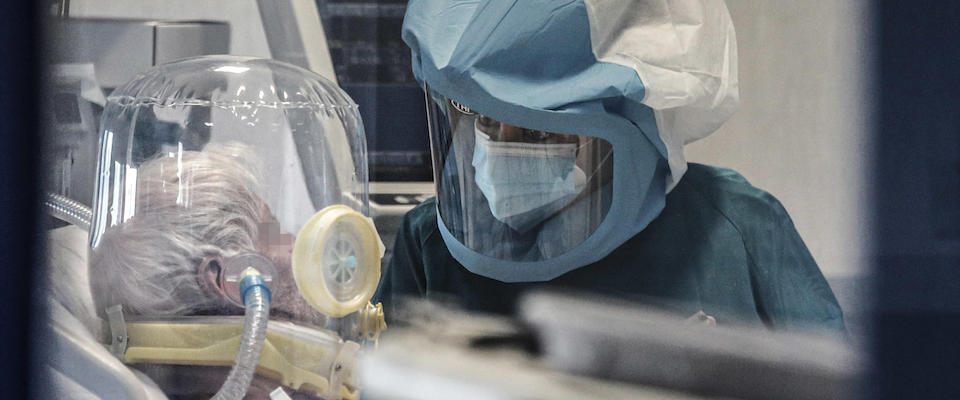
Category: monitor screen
[373,66]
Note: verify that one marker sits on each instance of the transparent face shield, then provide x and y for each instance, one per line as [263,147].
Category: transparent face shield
[513,193]
[222,174]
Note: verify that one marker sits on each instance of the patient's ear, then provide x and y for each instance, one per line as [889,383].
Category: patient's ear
[208,276]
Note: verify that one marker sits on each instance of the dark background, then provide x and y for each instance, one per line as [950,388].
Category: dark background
[917,201]
[19,150]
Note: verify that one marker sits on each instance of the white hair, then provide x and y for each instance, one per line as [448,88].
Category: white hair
[190,206]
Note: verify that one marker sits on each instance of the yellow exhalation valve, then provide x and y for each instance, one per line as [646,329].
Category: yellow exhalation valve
[336,260]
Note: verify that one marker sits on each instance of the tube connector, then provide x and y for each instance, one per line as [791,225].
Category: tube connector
[251,278]
[372,322]
[238,266]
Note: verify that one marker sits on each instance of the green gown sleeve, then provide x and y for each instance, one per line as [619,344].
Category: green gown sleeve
[789,290]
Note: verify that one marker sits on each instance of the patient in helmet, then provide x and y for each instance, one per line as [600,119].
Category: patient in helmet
[193,212]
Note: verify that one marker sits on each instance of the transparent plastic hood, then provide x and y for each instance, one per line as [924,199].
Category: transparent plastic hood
[210,162]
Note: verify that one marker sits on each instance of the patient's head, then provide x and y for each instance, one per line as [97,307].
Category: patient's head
[193,210]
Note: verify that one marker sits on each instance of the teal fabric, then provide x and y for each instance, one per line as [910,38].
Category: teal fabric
[720,245]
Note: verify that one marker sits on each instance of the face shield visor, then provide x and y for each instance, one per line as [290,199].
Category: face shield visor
[515,193]
[214,167]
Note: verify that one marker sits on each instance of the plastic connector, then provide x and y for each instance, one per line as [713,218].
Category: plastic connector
[251,279]
[372,322]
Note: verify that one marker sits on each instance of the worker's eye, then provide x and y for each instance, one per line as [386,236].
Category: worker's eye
[487,122]
[531,135]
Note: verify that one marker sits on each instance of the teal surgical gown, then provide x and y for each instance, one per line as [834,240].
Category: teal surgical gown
[720,246]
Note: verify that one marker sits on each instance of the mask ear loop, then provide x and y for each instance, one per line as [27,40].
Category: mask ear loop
[600,163]
[592,189]
[586,143]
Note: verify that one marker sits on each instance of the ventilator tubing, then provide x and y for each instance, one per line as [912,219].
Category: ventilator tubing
[256,301]
[68,210]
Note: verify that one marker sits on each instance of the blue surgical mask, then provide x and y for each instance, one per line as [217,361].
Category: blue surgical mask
[526,183]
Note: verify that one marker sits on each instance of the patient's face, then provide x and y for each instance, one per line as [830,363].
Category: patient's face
[277,245]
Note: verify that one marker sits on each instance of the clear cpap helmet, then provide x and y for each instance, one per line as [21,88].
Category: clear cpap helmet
[231,190]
